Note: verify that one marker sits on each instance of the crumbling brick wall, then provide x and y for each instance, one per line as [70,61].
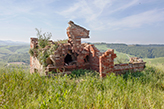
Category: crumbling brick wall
[74,55]
[106,62]
[34,63]
[123,68]
[94,57]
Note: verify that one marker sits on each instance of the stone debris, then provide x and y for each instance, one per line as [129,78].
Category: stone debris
[135,60]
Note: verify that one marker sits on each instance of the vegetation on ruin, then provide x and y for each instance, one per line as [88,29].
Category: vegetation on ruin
[21,53]
[62,41]
[45,46]
[43,39]
[20,89]
[42,56]
[31,52]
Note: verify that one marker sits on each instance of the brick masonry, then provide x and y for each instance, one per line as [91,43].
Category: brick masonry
[77,55]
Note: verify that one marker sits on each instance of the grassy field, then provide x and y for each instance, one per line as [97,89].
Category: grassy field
[142,90]
[155,61]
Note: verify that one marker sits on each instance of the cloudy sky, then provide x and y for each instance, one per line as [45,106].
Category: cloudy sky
[112,21]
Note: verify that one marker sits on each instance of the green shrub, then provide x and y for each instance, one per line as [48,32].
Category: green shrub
[52,49]
[31,52]
[43,41]
[42,56]
[43,38]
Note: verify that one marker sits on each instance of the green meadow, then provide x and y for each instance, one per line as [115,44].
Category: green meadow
[82,89]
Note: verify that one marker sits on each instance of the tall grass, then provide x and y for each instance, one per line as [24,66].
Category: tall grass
[20,89]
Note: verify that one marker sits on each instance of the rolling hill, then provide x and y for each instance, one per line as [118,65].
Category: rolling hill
[14,53]
[142,51]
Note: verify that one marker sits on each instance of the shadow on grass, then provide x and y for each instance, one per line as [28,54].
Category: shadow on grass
[131,75]
[83,72]
[147,72]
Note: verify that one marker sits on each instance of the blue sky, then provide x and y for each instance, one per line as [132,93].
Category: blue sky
[112,21]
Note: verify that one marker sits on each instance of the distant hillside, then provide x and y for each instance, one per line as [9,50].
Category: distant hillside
[16,53]
[121,57]
[142,51]
[9,42]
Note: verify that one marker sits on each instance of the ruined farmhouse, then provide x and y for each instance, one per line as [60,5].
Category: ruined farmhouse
[65,57]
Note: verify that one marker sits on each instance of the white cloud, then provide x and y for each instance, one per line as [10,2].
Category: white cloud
[90,11]
[79,9]
[102,3]
[124,5]
[138,20]
[93,13]
[13,12]
[98,14]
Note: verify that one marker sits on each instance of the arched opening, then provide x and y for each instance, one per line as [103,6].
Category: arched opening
[68,59]
[86,59]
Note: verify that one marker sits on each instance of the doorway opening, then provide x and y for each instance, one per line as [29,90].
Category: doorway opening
[68,59]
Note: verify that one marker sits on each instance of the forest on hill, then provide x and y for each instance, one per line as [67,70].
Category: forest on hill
[23,57]
[142,51]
